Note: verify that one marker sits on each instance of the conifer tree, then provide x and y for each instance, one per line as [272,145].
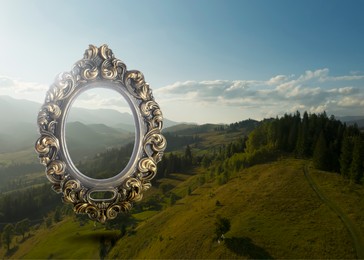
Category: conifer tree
[188,156]
[356,168]
[303,146]
[321,155]
[346,155]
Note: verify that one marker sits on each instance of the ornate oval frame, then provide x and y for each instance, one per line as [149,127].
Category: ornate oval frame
[98,68]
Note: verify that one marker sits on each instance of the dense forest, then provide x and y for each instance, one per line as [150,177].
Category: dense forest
[331,144]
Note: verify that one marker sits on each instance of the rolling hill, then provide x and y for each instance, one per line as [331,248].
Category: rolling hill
[273,211]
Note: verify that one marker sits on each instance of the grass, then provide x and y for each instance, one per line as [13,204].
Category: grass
[145,215]
[66,239]
[342,191]
[273,211]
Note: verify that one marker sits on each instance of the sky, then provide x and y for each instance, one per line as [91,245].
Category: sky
[206,61]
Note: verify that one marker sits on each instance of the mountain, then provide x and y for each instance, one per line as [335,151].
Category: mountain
[17,136]
[84,141]
[18,128]
[17,110]
[108,117]
[190,129]
[179,127]
[21,110]
[351,120]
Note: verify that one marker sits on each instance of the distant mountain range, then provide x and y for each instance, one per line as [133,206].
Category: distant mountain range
[21,110]
[100,128]
[351,120]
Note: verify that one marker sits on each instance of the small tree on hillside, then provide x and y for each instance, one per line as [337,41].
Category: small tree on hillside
[189,191]
[188,156]
[172,199]
[22,227]
[7,235]
[57,215]
[222,226]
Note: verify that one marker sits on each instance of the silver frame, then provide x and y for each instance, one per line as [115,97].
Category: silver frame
[99,68]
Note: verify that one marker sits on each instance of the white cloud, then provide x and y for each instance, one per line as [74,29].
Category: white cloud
[6,82]
[311,91]
[346,78]
[320,74]
[351,101]
[277,80]
[19,86]
[229,100]
[22,89]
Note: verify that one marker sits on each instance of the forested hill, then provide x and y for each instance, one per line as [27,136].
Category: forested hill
[202,161]
[331,144]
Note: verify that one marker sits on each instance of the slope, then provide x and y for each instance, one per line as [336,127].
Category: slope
[273,211]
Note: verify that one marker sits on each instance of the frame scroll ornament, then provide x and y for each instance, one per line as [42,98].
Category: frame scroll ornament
[100,67]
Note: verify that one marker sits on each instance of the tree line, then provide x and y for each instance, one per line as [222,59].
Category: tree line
[31,203]
[332,145]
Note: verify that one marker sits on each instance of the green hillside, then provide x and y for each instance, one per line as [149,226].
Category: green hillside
[273,211]
[239,180]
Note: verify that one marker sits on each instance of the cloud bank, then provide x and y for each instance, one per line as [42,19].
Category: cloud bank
[226,101]
[313,91]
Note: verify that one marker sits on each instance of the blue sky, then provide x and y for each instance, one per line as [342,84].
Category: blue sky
[206,61]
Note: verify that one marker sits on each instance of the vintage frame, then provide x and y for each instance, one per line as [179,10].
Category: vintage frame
[99,68]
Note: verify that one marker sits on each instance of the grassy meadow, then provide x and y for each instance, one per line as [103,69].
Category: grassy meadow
[273,211]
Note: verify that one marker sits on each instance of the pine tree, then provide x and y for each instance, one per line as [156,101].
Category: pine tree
[321,155]
[356,167]
[303,146]
[294,127]
[346,155]
[188,156]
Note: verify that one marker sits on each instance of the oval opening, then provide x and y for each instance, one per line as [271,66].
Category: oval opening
[100,133]
[102,195]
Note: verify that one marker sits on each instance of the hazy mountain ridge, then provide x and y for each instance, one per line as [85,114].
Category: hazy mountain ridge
[351,120]
[19,131]
[88,140]
[15,110]
[18,128]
